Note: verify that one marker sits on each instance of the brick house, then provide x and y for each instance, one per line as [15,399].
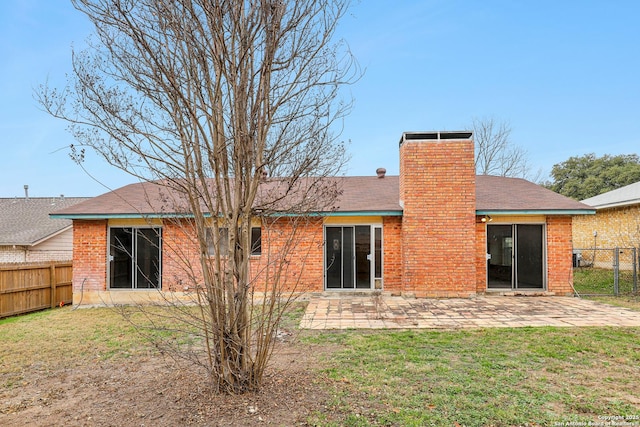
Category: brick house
[616,222]
[28,235]
[436,230]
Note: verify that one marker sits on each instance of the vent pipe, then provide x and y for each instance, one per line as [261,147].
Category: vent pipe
[26,191]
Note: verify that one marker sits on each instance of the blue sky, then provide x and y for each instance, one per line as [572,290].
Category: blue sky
[564,74]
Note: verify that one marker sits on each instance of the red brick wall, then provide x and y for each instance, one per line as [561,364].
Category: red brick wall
[559,255]
[89,255]
[392,256]
[426,267]
[302,252]
[181,268]
[438,225]
[297,242]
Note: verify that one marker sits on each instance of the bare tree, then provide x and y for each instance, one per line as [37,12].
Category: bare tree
[227,107]
[496,154]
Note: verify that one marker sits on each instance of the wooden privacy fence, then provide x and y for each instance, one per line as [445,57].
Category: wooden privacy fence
[31,287]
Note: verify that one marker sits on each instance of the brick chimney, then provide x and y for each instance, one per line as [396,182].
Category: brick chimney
[437,193]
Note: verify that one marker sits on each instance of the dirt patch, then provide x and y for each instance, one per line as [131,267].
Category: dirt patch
[155,391]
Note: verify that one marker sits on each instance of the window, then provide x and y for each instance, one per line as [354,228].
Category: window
[223,242]
[134,258]
[256,240]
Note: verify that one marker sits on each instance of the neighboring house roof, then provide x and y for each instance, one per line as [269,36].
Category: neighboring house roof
[623,196]
[26,221]
[361,195]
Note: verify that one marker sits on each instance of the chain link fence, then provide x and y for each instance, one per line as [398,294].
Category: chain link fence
[605,271]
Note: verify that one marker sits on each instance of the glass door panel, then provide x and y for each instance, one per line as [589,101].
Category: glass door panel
[378,257]
[147,258]
[121,258]
[530,264]
[500,250]
[347,257]
[333,257]
[363,257]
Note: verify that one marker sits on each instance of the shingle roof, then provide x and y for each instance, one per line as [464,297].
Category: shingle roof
[24,222]
[359,194]
[496,193]
[623,196]
[133,199]
[370,193]
[367,193]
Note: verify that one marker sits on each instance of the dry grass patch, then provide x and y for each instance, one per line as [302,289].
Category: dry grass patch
[628,301]
[91,367]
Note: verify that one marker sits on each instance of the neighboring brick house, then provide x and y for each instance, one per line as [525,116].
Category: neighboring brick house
[616,222]
[436,230]
[28,234]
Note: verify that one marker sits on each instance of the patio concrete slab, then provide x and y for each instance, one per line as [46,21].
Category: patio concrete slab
[387,312]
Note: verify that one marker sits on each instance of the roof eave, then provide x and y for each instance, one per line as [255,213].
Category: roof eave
[121,216]
[535,212]
[365,213]
[39,241]
[616,204]
[173,215]
[332,214]
[341,213]
[52,235]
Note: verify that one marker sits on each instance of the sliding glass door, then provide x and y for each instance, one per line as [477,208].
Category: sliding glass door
[516,256]
[134,258]
[353,257]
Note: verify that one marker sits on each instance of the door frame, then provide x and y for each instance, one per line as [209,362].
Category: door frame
[373,279]
[133,272]
[514,256]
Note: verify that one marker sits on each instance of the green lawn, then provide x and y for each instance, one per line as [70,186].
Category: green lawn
[491,377]
[600,281]
[485,377]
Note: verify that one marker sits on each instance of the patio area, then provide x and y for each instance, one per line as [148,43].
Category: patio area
[393,312]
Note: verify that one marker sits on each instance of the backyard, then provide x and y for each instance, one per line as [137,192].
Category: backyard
[601,281]
[90,367]
[602,271]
